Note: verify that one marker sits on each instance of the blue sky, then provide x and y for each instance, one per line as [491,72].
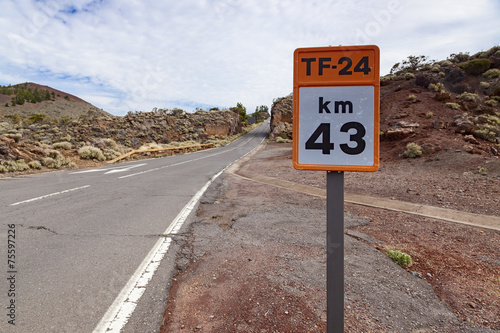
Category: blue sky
[138,54]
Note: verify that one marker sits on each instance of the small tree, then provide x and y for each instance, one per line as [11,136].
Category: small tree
[242,111]
[411,64]
[261,113]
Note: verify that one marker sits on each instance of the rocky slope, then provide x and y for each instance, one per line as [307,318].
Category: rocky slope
[447,105]
[49,133]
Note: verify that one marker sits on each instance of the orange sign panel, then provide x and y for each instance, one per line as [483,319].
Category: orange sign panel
[336,108]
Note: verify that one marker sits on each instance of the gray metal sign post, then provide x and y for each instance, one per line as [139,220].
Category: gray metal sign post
[335,251]
[336,128]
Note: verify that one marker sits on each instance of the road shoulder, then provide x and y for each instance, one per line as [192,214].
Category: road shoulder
[255,260]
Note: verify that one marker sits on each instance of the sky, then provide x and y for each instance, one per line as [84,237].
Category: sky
[135,55]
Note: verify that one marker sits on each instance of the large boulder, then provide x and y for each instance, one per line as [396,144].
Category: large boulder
[282,117]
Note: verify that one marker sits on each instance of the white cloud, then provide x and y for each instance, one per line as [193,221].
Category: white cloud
[136,55]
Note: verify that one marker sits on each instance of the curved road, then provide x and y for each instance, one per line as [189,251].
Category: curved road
[87,242]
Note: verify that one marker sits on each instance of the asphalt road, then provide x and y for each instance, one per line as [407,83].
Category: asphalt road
[82,235]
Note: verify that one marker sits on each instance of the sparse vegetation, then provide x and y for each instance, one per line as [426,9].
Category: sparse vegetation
[475,66]
[409,76]
[62,145]
[242,111]
[468,97]
[453,106]
[56,160]
[411,64]
[24,94]
[491,102]
[487,132]
[279,139]
[14,166]
[37,118]
[400,258]
[35,165]
[484,85]
[413,150]
[261,113]
[437,87]
[25,133]
[91,153]
[110,154]
[492,73]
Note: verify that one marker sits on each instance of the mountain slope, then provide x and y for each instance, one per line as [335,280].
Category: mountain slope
[450,105]
[59,105]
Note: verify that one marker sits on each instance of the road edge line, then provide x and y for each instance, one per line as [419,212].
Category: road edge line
[114,319]
[118,314]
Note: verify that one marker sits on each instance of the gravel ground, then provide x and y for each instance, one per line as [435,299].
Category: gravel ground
[254,259]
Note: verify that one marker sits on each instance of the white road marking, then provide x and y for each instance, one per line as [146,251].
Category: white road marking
[118,314]
[123,169]
[109,170]
[180,163]
[87,171]
[124,305]
[49,195]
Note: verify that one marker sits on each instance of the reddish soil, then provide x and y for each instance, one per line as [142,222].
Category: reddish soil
[226,288]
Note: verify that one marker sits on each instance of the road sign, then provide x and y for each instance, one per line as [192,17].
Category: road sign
[336,107]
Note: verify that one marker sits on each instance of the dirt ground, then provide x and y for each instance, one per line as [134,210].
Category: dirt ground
[254,259]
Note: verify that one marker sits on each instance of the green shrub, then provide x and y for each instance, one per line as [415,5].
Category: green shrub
[453,106]
[66,138]
[445,63]
[475,66]
[494,120]
[487,132]
[409,76]
[3,169]
[37,118]
[468,97]
[62,145]
[111,144]
[492,73]
[491,102]
[437,87]
[15,136]
[49,162]
[35,165]
[91,153]
[484,85]
[399,257]
[413,150]
[56,160]
[412,98]
[279,139]
[154,145]
[21,165]
[110,154]
[13,166]
[435,68]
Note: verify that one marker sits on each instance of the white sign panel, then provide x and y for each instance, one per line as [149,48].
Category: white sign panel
[336,125]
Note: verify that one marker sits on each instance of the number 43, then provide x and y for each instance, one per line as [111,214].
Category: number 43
[326,146]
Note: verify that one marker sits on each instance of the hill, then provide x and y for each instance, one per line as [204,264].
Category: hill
[27,99]
[45,128]
[449,105]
